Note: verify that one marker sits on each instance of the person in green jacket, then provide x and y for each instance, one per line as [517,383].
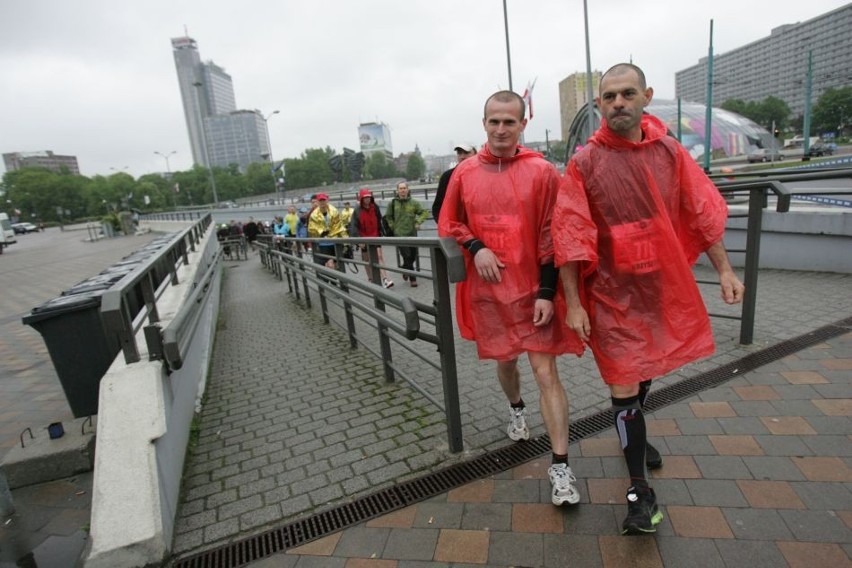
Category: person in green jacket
[404,216]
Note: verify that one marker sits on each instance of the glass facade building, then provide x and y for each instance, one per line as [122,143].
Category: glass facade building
[777,65]
[237,138]
[219,134]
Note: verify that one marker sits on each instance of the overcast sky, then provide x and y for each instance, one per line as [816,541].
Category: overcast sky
[96,78]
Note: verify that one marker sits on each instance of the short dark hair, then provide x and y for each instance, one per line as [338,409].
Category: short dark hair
[505,97]
[621,68]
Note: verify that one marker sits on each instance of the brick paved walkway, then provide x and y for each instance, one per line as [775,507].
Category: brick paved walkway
[756,473]
[294,421]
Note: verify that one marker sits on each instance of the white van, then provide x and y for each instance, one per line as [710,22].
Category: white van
[7,233]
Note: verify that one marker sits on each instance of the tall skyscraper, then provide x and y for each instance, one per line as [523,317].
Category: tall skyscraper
[778,64]
[572,96]
[219,134]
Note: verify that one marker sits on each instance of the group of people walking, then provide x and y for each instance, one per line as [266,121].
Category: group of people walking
[402,217]
[599,258]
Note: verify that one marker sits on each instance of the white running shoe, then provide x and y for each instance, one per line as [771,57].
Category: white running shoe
[387,283]
[562,479]
[518,429]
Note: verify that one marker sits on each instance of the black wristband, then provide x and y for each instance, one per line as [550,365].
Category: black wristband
[548,277]
[474,246]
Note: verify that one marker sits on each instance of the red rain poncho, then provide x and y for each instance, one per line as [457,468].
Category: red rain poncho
[637,216]
[506,203]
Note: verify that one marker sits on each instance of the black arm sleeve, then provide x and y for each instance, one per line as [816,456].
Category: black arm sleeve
[548,278]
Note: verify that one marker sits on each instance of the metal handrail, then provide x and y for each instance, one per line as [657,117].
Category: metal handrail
[335,285]
[173,341]
[757,190]
[148,282]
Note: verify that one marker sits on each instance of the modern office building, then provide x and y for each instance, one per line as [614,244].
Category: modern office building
[777,65]
[573,94]
[219,134]
[46,159]
[238,137]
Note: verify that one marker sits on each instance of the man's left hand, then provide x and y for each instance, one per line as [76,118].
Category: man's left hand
[542,312]
[732,288]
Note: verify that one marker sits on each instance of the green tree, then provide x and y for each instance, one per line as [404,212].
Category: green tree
[773,110]
[415,168]
[309,170]
[833,109]
[258,179]
[735,105]
[378,166]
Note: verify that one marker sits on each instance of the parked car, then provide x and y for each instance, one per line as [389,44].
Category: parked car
[24,228]
[764,155]
[818,150]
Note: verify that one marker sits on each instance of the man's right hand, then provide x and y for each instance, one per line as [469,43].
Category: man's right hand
[578,320]
[488,266]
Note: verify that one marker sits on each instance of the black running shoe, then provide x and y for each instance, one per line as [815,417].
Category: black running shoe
[643,516]
[653,459]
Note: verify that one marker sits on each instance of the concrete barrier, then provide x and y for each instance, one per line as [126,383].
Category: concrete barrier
[144,422]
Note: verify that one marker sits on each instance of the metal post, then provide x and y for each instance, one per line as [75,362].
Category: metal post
[756,203]
[447,350]
[508,54]
[198,86]
[807,125]
[590,124]
[708,114]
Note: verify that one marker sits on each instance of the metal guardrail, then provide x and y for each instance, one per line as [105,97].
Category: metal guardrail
[758,187]
[397,318]
[133,300]
[176,337]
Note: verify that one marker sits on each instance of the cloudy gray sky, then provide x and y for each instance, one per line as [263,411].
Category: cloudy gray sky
[96,78]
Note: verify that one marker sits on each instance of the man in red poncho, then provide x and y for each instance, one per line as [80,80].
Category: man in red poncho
[632,215]
[498,207]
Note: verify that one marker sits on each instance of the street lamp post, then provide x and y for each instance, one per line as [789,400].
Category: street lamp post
[269,148]
[198,85]
[166,158]
[169,171]
[708,112]
[590,101]
[508,53]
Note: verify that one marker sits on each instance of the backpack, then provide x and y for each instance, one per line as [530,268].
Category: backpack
[386,229]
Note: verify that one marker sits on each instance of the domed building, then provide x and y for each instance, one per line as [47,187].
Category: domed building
[731,135]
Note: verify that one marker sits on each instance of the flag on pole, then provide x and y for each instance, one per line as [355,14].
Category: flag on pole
[527,96]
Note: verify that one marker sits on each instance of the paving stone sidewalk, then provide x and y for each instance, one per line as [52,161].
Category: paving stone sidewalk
[294,421]
[756,473]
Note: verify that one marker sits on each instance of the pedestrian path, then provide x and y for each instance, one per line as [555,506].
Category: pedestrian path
[295,422]
[756,473]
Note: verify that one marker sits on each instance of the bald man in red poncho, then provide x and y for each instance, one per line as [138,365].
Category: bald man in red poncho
[498,207]
[633,213]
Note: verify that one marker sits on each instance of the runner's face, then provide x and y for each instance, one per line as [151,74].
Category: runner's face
[622,101]
[503,125]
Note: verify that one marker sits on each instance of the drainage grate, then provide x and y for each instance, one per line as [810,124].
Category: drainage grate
[300,532]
